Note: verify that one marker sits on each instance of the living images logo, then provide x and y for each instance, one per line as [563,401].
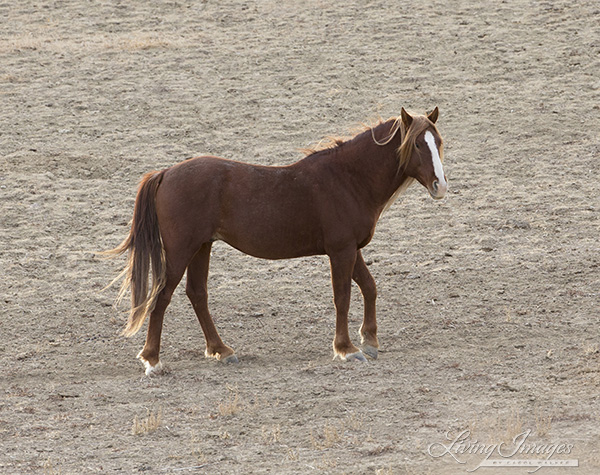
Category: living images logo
[520,452]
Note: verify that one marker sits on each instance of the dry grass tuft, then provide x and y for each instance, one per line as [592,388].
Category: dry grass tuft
[591,349]
[50,469]
[543,423]
[347,432]
[508,314]
[292,455]
[355,421]
[148,424]
[271,435]
[514,426]
[329,437]
[231,406]
[197,451]
[327,464]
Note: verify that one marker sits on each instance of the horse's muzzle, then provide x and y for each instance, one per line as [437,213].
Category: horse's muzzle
[438,190]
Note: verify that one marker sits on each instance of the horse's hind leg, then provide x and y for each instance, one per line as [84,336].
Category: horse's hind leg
[196,290]
[149,354]
[368,329]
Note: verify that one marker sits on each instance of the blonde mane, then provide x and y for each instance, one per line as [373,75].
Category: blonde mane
[331,142]
[408,138]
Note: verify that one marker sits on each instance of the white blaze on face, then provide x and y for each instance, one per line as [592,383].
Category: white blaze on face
[437,162]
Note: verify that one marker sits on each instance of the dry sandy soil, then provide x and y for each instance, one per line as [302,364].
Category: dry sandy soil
[488,300]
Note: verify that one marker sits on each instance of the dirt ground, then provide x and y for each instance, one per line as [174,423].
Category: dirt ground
[488,300]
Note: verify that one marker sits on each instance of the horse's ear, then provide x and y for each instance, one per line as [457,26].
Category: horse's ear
[433,115]
[406,118]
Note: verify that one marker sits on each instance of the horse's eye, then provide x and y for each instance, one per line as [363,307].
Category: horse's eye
[417,145]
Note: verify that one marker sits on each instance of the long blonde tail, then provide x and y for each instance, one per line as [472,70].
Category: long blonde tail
[146,251]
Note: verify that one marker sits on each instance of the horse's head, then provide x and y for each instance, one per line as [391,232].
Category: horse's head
[422,152]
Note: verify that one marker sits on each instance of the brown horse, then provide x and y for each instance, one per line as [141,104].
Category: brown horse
[327,203]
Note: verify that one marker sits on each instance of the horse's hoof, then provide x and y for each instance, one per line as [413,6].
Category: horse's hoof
[153,370]
[370,351]
[231,359]
[358,356]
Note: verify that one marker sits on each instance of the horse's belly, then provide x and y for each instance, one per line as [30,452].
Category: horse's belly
[270,241]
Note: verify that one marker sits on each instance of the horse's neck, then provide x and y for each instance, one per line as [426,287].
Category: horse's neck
[375,169]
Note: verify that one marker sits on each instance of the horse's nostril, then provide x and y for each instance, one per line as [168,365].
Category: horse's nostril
[435,185]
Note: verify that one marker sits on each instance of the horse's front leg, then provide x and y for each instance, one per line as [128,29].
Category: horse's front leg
[342,265]
[368,329]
